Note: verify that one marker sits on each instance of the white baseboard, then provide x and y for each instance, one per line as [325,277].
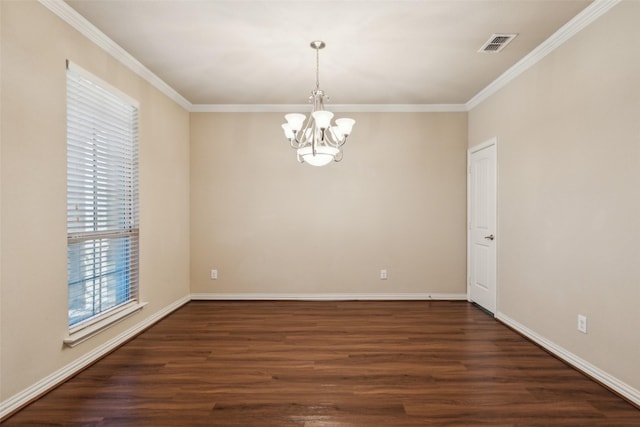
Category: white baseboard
[327,297]
[620,387]
[66,372]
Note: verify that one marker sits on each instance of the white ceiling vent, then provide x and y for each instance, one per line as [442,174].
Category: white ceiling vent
[497,42]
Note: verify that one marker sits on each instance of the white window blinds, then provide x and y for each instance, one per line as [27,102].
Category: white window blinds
[102,197]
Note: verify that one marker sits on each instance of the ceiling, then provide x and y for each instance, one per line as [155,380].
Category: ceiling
[378,51]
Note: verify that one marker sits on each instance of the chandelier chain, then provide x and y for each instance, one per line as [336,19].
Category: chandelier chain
[317,68]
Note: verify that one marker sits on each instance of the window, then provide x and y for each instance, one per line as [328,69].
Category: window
[102,200]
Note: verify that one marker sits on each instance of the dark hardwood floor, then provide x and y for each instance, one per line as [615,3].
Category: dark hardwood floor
[356,363]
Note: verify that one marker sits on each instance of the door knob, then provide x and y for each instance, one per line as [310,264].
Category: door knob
[490,237]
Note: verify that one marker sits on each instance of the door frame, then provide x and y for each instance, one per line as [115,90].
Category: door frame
[493,141]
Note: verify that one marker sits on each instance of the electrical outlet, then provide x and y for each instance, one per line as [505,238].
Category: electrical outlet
[582,323]
[214,274]
[383,275]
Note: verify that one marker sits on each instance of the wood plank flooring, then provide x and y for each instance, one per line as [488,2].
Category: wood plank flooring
[320,364]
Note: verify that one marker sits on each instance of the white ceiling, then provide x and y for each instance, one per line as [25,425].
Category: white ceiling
[378,51]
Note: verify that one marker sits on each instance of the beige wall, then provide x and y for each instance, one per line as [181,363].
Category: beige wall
[569,203]
[273,226]
[33,307]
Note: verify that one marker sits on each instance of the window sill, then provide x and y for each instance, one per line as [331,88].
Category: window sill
[88,331]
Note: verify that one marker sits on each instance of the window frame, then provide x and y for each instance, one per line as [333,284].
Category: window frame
[102,255]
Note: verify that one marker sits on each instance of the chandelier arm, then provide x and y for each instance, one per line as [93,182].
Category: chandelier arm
[321,96]
[306,132]
[297,144]
[318,138]
[306,127]
[334,141]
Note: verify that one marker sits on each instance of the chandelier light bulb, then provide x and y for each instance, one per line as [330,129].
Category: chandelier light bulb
[288,132]
[295,121]
[322,118]
[345,125]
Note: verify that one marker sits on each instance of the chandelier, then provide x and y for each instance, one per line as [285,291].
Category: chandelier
[315,140]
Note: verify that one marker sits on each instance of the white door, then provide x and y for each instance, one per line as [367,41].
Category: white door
[481,256]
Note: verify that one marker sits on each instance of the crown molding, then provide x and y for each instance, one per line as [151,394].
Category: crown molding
[338,108]
[399,108]
[90,31]
[248,108]
[580,21]
[571,28]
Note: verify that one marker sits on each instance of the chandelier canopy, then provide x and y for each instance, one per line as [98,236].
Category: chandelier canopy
[315,140]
